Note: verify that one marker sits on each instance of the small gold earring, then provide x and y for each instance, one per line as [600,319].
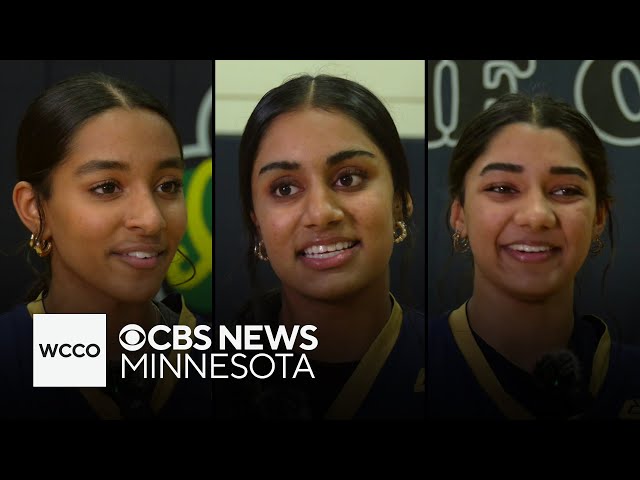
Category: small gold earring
[399,237]
[596,246]
[258,248]
[41,250]
[460,244]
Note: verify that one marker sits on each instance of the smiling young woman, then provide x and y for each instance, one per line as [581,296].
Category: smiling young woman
[325,188]
[529,186]
[100,171]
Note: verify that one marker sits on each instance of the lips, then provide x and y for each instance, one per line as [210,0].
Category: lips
[529,251]
[327,248]
[140,256]
[527,245]
[523,247]
[140,250]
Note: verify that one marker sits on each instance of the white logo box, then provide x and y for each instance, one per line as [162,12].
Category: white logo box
[72,330]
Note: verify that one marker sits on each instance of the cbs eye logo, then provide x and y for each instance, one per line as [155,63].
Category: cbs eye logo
[132,337]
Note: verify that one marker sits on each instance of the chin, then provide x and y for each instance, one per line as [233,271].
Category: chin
[329,293]
[533,294]
[137,294]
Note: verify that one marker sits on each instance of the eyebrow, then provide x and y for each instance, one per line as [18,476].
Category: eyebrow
[569,171]
[347,154]
[100,165]
[512,167]
[331,160]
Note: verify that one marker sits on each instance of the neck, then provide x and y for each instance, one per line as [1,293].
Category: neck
[67,299]
[346,327]
[521,330]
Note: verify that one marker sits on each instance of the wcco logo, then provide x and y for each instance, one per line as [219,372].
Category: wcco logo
[78,350]
[69,350]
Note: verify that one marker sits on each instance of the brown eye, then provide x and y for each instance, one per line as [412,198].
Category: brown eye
[107,188]
[285,190]
[347,180]
[568,192]
[504,189]
[174,186]
[350,180]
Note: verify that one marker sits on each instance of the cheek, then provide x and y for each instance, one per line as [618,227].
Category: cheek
[277,228]
[579,226]
[485,222]
[81,223]
[176,217]
[373,216]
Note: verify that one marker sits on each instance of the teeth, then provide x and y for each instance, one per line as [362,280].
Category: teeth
[142,254]
[530,248]
[321,251]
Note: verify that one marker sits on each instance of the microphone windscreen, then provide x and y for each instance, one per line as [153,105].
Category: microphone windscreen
[559,376]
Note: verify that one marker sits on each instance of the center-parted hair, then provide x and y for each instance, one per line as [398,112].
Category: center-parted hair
[48,127]
[333,94]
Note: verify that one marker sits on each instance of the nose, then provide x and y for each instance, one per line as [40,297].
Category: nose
[322,207]
[536,212]
[143,212]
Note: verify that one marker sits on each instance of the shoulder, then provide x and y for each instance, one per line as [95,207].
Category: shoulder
[262,310]
[16,356]
[176,305]
[439,336]
[14,323]
[17,312]
[398,388]
[413,319]
[616,368]
[412,330]
[410,339]
[439,321]
[453,390]
[626,359]
[619,396]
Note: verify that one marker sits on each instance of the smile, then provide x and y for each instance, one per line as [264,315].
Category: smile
[327,251]
[329,256]
[140,260]
[530,248]
[143,254]
[525,253]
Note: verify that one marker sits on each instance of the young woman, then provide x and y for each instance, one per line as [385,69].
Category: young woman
[324,183]
[100,170]
[530,199]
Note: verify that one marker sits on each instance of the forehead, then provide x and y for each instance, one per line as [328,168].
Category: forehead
[122,134]
[302,135]
[532,147]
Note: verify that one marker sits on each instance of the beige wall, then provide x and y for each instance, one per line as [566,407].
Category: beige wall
[400,84]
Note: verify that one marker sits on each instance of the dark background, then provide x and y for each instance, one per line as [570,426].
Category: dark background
[608,91]
[180,84]
[232,285]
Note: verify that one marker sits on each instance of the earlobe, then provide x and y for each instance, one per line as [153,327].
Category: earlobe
[255,221]
[409,205]
[397,207]
[25,201]
[601,220]
[456,218]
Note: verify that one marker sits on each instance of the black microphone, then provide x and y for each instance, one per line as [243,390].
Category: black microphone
[559,377]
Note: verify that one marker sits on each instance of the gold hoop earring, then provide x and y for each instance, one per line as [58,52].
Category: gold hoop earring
[596,246]
[41,250]
[258,248]
[460,244]
[399,225]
